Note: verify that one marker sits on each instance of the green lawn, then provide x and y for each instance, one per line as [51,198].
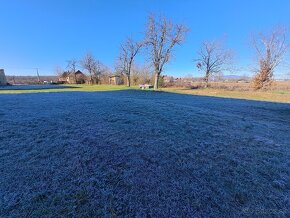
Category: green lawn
[70,88]
[273,96]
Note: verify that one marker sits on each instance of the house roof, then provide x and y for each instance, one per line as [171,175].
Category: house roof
[67,73]
[79,72]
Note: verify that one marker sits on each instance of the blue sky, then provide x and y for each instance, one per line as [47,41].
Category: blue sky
[47,33]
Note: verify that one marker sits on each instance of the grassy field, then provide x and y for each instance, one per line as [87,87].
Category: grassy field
[142,154]
[272,96]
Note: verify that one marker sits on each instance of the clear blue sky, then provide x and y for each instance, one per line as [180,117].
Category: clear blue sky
[46,33]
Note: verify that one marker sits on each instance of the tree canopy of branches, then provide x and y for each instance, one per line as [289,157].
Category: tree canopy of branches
[93,67]
[129,49]
[58,71]
[142,74]
[270,50]
[71,66]
[161,36]
[88,63]
[213,59]
[98,69]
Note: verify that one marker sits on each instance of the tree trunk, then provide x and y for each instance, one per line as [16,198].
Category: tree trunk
[91,79]
[75,77]
[206,84]
[206,80]
[156,80]
[128,81]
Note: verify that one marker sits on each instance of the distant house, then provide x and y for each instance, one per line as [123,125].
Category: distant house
[3,81]
[115,80]
[63,77]
[73,78]
[243,81]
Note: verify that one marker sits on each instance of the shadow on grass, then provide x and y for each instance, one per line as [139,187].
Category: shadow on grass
[143,93]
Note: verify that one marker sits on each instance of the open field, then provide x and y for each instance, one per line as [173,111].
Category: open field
[279,92]
[134,153]
[243,86]
[272,96]
[282,95]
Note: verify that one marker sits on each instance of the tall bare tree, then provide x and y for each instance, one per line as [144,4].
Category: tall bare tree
[161,36]
[129,49]
[213,59]
[89,64]
[271,50]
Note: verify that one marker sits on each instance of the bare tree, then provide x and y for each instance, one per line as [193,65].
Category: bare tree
[161,36]
[271,50]
[129,49]
[89,64]
[71,66]
[142,74]
[97,70]
[213,59]
[58,71]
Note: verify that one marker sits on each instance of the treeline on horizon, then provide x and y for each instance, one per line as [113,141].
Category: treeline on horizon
[213,58]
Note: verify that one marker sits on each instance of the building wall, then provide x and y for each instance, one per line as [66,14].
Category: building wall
[3,80]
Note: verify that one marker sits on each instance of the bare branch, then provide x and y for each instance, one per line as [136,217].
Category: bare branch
[93,67]
[129,49]
[72,65]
